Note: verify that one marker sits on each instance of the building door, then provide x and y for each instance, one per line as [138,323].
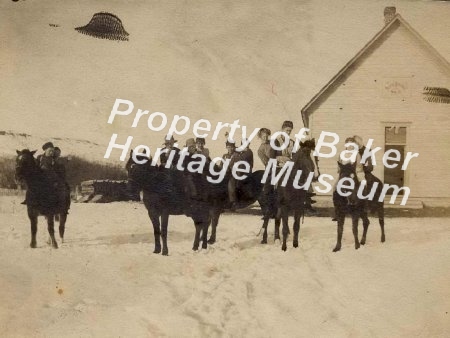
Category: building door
[395,138]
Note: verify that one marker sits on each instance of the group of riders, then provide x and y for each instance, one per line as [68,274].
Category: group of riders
[51,163]
[265,153]
[170,155]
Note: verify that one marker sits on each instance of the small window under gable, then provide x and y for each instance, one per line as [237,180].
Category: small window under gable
[395,135]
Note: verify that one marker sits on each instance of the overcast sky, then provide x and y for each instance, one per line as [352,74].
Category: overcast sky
[257,61]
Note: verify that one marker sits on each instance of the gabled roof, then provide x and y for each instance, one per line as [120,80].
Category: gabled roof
[379,35]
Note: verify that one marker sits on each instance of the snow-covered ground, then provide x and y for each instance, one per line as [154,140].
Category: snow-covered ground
[105,281]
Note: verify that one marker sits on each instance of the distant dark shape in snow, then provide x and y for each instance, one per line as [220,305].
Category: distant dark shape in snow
[53,25]
[105,26]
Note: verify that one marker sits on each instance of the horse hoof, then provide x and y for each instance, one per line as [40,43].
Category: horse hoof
[383,239]
[205,245]
[363,242]
[195,248]
[211,241]
[295,244]
[284,248]
[55,245]
[264,241]
[157,251]
[356,246]
[336,249]
[165,252]
[33,245]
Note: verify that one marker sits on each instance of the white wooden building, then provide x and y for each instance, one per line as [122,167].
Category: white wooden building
[383,93]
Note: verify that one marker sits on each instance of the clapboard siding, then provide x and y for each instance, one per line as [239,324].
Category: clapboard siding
[359,103]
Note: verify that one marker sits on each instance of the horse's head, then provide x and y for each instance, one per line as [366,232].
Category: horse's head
[140,169]
[25,163]
[302,160]
[307,146]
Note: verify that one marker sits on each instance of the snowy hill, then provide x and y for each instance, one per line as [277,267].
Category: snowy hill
[92,151]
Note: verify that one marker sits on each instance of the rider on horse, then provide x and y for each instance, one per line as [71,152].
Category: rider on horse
[169,146]
[51,164]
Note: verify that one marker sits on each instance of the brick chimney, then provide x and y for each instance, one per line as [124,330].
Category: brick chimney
[389,14]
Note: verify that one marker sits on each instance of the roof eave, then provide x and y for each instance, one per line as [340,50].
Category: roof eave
[304,110]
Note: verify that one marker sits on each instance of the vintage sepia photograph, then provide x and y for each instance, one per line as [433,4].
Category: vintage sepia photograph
[224,168]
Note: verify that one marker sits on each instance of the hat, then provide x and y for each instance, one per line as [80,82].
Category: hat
[230,143]
[190,142]
[105,25]
[287,124]
[264,130]
[169,138]
[200,140]
[47,145]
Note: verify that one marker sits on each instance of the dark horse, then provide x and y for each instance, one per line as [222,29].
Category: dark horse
[248,191]
[286,198]
[165,193]
[357,207]
[44,196]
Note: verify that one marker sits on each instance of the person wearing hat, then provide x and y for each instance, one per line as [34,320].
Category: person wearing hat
[246,154]
[233,156]
[264,154]
[335,193]
[46,160]
[264,148]
[58,164]
[229,155]
[169,145]
[363,170]
[311,167]
[192,181]
[284,155]
[200,144]
[60,171]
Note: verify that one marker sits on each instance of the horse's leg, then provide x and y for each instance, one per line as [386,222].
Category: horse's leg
[265,225]
[381,220]
[62,225]
[51,230]
[366,223]
[164,228]
[205,226]
[340,229]
[154,217]
[285,218]
[33,216]
[297,216]
[266,209]
[277,225]
[215,215]
[198,229]
[355,220]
